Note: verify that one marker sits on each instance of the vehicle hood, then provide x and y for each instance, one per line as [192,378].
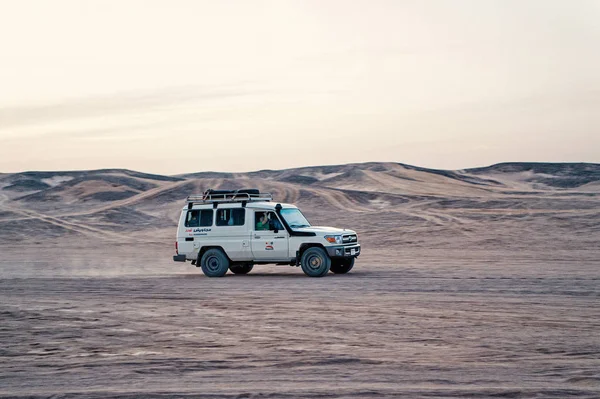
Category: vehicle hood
[324,230]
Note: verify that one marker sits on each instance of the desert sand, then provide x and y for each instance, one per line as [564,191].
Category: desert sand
[476,283]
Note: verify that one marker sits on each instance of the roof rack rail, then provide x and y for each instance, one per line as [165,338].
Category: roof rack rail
[228,196]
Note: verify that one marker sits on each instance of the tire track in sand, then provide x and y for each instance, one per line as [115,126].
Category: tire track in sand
[131,200]
[78,228]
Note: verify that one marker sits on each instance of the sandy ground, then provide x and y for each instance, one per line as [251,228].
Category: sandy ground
[99,321]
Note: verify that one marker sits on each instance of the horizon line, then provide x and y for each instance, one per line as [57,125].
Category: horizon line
[301,167]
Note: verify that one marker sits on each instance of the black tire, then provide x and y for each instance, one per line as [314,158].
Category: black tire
[315,262]
[243,268]
[342,266]
[214,263]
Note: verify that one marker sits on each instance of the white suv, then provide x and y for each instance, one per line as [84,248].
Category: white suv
[236,230]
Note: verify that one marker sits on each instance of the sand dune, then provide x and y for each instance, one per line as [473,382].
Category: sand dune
[89,201]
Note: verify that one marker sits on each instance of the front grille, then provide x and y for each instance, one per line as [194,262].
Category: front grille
[349,239]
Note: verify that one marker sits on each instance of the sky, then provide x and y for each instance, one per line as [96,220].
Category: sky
[179,86]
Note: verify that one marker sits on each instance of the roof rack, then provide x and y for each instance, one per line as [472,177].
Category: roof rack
[228,196]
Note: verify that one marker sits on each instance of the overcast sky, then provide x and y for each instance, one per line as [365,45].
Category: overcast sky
[182,86]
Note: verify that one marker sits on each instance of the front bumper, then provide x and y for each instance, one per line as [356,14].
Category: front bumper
[344,251]
[179,258]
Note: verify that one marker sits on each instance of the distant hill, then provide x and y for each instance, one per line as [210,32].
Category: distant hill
[562,175]
[120,203]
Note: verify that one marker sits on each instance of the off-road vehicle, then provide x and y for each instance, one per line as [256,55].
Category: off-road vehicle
[234,230]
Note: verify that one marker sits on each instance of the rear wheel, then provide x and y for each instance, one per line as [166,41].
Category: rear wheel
[243,268]
[214,263]
[342,266]
[315,262]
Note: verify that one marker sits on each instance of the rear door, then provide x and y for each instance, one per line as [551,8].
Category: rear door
[231,232]
[194,224]
[270,241]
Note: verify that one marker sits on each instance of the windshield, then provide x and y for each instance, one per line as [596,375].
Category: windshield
[294,218]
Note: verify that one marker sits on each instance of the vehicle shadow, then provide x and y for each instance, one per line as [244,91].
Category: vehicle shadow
[263,275]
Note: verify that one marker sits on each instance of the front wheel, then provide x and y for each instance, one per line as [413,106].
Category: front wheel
[214,263]
[342,266]
[244,268]
[315,262]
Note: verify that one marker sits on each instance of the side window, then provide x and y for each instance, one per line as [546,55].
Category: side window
[199,218]
[231,217]
[206,217]
[192,218]
[266,221]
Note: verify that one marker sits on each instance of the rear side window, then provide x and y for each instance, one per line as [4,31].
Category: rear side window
[199,218]
[231,217]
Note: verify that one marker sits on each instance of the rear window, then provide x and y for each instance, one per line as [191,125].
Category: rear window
[231,217]
[199,218]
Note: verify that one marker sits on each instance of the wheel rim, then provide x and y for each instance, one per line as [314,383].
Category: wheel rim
[212,264]
[315,262]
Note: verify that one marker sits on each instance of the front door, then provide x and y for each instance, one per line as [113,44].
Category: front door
[269,238]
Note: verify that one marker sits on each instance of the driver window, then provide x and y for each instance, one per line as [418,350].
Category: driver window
[266,221]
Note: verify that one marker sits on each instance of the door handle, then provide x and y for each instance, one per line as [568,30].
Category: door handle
[279,237]
[256,236]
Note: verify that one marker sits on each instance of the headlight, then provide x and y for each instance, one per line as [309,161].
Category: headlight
[334,239]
